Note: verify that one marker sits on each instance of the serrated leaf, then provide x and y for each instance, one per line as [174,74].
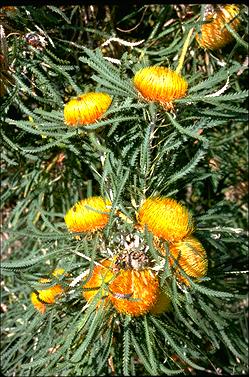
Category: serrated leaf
[26,263]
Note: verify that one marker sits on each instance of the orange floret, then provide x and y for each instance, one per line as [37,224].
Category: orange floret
[191,257]
[88,215]
[48,295]
[214,34]
[160,84]
[165,218]
[86,108]
[40,306]
[134,292]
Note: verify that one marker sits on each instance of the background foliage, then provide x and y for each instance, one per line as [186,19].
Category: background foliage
[199,156]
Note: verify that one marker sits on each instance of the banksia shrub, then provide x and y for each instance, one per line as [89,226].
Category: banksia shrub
[134,292]
[165,218]
[214,34]
[47,296]
[160,84]
[100,274]
[88,215]
[86,108]
[137,290]
[190,256]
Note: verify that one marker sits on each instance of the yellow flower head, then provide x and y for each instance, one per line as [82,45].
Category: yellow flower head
[88,215]
[48,295]
[162,304]
[214,34]
[100,274]
[191,257]
[165,218]
[134,292]
[86,108]
[160,84]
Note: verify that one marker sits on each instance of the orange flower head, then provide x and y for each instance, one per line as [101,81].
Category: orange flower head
[86,108]
[162,304]
[191,257]
[101,274]
[214,34]
[40,306]
[88,215]
[165,218]
[134,292]
[48,295]
[160,84]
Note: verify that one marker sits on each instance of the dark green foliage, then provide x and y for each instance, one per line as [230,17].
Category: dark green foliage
[197,154]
